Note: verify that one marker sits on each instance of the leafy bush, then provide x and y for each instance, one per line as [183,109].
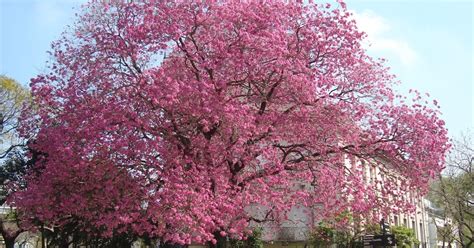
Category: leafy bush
[322,235]
[346,236]
[405,236]
[253,241]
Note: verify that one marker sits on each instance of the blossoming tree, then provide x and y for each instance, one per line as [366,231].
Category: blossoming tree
[170,120]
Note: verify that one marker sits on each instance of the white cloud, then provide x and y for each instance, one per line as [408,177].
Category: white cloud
[379,38]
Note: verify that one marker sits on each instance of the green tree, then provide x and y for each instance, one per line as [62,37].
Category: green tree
[253,241]
[446,234]
[322,235]
[347,236]
[13,98]
[453,192]
[405,236]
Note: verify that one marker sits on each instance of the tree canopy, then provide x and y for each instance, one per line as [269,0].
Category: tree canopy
[13,97]
[453,193]
[170,119]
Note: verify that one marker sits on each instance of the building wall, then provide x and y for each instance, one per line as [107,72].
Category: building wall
[418,221]
[301,221]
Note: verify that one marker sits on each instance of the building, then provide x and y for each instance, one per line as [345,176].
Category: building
[295,231]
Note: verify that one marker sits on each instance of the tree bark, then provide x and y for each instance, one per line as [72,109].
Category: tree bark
[9,237]
[221,241]
[9,242]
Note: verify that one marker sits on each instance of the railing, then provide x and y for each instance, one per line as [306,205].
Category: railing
[293,234]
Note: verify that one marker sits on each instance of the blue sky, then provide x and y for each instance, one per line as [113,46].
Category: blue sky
[428,44]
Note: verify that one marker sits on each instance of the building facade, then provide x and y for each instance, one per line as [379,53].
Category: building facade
[295,231]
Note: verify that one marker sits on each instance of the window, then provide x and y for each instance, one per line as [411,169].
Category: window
[422,234]
[413,226]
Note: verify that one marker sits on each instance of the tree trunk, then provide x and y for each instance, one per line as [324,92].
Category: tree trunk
[9,238]
[9,242]
[460,223]
[221,241]
[10,232]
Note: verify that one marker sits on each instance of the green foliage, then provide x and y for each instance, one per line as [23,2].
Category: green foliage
[13,98]
[322,235]
[453,192]
[11,215]
[71,234]
[405,236]
[12,171]
[347,239]
[253,241]
[446,233]
[344,217]
[12,93]
[372,228]
[326,232]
